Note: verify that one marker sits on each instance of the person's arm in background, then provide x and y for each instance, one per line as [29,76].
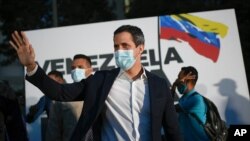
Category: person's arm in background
[36,110]
[177,82]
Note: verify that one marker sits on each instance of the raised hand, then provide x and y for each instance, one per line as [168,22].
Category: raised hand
[181,79]
[189,76]
[24,50]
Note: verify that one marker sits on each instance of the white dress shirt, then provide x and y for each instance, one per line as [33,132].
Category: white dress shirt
[127,110]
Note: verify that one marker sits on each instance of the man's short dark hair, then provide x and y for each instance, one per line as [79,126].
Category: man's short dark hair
[56,73]
[188,69]
[82,56]
[136,33]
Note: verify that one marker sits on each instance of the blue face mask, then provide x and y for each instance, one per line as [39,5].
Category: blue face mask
[124,59]
[78,74]
[182,88]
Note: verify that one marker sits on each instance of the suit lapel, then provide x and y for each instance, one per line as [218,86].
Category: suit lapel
[156,103]
[152,87]
[108,82]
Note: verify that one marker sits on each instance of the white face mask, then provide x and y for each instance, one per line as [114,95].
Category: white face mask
[124,59]
[78,74]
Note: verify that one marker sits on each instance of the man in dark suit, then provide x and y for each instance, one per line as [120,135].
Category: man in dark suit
[126,103]
[12,125]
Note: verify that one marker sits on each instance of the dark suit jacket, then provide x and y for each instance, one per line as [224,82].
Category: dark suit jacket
[12,125]
[94,91]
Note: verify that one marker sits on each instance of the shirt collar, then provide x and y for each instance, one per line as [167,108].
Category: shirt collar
[122,74]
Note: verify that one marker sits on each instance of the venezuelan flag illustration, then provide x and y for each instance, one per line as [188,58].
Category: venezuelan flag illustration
[201,34]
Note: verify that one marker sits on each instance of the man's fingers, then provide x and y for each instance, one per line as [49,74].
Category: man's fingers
[25,39]
[188,77]
[19,38]
[15,39]
[191,77]
[31,50]
[13,45]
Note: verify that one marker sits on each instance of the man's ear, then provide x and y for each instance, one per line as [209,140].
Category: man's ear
[89,71]
[141,47]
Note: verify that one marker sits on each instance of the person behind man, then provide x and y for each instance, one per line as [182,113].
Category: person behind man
[125,103]
[191,102]
[64,115]
[44,103]
[12,125]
